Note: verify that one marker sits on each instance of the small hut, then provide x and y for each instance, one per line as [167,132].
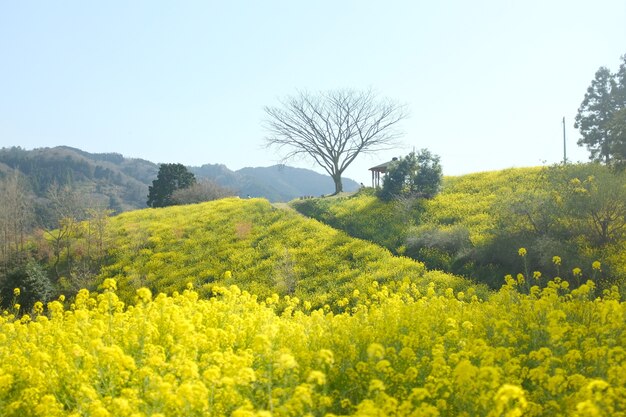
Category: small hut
[380,169]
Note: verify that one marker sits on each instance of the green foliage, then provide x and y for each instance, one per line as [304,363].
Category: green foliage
[363,215]
[428,175]
[438,246]
[600,117]
[171,177]
[31,278]
[415,175]
[618,146]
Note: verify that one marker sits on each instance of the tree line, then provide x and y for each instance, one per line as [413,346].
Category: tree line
[48,245]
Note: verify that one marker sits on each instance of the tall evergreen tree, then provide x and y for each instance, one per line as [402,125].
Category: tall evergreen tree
[171,177]
[596,117]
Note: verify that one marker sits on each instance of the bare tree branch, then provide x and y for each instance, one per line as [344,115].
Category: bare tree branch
[333,127]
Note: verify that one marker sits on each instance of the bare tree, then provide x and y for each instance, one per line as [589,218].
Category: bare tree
[67,208]
[203,190]
[334,127]
[16,215]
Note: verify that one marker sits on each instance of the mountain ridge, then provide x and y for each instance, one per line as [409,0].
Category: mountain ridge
[121,183]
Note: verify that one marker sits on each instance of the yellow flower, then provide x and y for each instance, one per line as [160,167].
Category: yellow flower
[376,385]
[228,275]
[556,260]
[38,307]
[596,265]
[144,294]
[326,357]
[510,280]
[16,292]
[286,361]
[376,351]
[521,252]
[109,284]
[510,401]
[317,377]
[536,274]
[577,272]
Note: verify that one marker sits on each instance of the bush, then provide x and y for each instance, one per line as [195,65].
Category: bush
[415,175]
[204,190]
[31,278]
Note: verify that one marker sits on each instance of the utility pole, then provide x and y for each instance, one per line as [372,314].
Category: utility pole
[564,144]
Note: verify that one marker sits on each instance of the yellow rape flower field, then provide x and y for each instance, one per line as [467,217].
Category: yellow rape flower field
[405,343]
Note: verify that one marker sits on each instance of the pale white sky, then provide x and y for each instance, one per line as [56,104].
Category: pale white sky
[487,82]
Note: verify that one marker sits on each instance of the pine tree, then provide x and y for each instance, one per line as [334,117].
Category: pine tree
[171,177]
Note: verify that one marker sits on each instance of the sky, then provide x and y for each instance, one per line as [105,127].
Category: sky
[486,83]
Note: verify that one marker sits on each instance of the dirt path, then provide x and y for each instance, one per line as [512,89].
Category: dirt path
[285,206]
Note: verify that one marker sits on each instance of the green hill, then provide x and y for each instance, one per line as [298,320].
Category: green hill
[476,225]
[263,250]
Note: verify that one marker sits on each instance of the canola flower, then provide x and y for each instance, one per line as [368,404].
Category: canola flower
[555,351]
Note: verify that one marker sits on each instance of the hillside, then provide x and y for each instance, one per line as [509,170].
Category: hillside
[270,313]
[108,179]
[478,222]
[265,251]
[121,184]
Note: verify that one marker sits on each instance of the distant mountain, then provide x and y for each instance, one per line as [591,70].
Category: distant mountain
[121,183]
[276,183]
[289,182]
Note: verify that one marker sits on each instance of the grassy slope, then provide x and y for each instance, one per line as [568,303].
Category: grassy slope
[464,201]
[468,200]
[260,248]
[456,231]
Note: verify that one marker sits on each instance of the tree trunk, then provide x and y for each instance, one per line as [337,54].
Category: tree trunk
[338,184]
